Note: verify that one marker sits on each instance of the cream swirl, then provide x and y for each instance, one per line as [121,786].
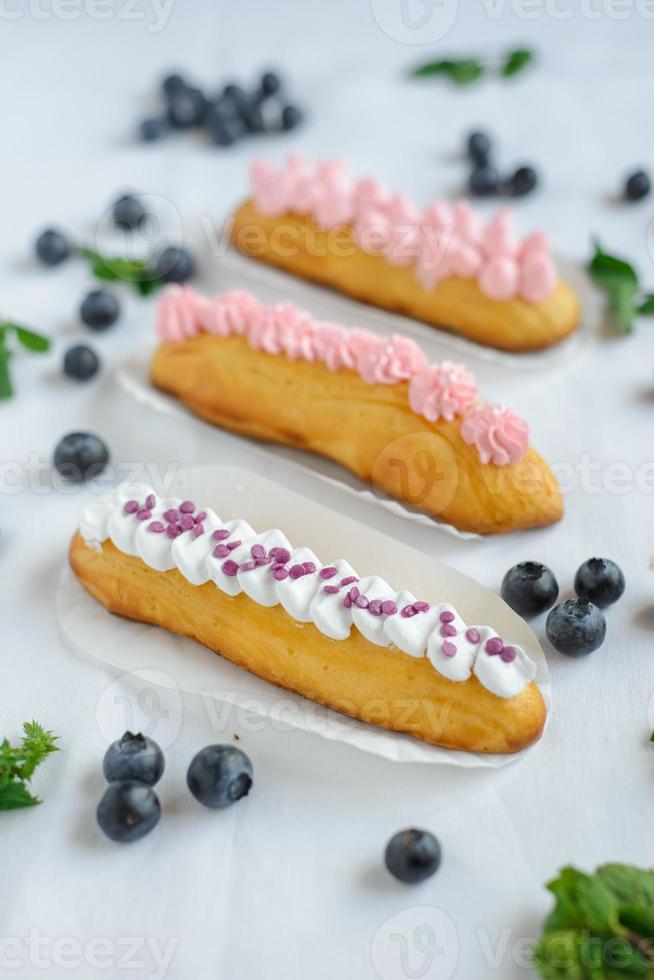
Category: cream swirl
[499,434]
[442,391]
[390,361]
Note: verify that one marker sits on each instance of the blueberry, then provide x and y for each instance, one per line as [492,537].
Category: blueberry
[225,132]
[219,775]
[152,128]
[128,810]
[252,118]
[637,186]
[236,95]
[187,108]
[483,181]
[99,309]
[576,627]
[478,148]
[270,83]
[529,588]
[172,85]
[52,247]
[175,264]
[600,581]
[413,855]
[522,182]
[134,757]
[80,456]
[128,212]
[81,362]
[291,117]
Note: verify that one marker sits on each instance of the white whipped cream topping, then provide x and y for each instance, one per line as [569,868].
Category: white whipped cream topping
[454,649]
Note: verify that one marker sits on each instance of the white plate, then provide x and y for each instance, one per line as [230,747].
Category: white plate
[235,492]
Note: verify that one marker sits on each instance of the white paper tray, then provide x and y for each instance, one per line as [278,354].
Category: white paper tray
[233,492]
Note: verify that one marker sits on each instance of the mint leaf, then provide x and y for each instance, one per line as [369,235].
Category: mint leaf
[142,276]
[516,61]
[629,884]
[17,765]
[461,72]
[619,280]
[646,305]
[33,341]
[15,796]
[6,387]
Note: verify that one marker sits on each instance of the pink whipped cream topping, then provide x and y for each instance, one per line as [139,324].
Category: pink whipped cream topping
[443,391]
[434,390]
[499,434]
[441,241]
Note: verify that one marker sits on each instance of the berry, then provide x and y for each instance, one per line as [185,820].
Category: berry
[81,362]
[600,581]
[187,108]
[128,212]
[478,147]
[291,117]
[172,85]
[219,775]
[80,456]
[529,588]
[576,627]
[99,309]
[175,264]
[225,132]
[252,118]
[236,95]
[637,186]
[152,129]
[134,757]
[270,83]
[413,855]
[522,182]
[483,181]
[128,810]
[52,247]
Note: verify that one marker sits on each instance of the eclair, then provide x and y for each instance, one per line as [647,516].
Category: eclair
[441,265]
[414,430]
[353,643]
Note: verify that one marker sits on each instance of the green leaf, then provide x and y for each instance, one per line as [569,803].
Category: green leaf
[609,271]
[638,918]
[628,883]
[6,387]
[460,72]
[15,796]
[142,276]
[33,341]
[646,305]
[516,61]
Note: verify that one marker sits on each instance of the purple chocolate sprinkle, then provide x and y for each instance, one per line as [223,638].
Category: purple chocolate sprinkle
[375,607]
[144,514]
[202,516]
[388,607]
[494,646]
[234,544]
[308,567]
[446,617]
[258,551]
[220,551]
[449,649]
[347,602]
[354,593]
[421,606]
[448,630]
[349,580]
[131,506]
[157,527]
[186,522]
[472,635]
[280,555]
[218,535]
[279,573]
[187,507]
[296,571]
[508,654]
[264,560]
[172,531]
[408,611]
[172,515]
[361,602]
[248,566]
[229,567]
[150,501]
[331,590]
[328,571]
[198,530]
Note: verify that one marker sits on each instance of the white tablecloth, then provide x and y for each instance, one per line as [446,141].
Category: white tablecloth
[290,884]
